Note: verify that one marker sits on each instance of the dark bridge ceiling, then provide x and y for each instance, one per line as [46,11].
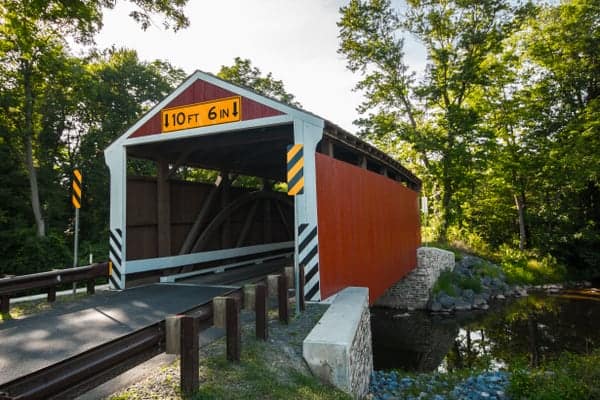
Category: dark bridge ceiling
[255,152]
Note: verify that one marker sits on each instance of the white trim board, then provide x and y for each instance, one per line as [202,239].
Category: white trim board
[153,264]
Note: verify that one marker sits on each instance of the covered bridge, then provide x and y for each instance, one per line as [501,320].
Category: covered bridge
[352,219]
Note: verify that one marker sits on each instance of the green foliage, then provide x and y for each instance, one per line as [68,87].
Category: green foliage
[243,73]
[30,253]
[569,377]
[503,127]
[449,282]
[524,268]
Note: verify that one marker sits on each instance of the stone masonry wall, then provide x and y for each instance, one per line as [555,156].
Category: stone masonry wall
[361,356]
[338,350]
[413,291]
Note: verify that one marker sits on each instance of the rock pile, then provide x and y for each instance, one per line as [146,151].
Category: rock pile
[390,386]
[491,284]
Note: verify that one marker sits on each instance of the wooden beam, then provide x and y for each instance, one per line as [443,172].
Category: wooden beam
[327,147]
[363,162]
[284,220]
[164,208]
[226,227]
[226,212]
[247,224]
[201,218]
[267,221]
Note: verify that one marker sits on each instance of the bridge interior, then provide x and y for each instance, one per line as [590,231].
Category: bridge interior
[211,192]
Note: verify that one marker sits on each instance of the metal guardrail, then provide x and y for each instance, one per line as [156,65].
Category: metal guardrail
[50,280]
[93,367]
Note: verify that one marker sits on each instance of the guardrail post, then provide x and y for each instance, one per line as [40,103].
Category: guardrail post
[91,286]
[282,297]
[4,304]
[233,331]
[260,306]
[52,294]
[189,361]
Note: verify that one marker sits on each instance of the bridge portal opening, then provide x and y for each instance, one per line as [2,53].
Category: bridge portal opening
[206,194]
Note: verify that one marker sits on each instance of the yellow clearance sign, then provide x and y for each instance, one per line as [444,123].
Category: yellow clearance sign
[202,114]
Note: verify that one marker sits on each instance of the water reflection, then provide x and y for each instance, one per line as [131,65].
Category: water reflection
[534,328]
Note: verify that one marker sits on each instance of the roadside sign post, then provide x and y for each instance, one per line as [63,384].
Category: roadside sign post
[295,183]
[76,200]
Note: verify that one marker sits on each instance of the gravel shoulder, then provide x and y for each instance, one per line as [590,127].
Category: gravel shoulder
[273,369]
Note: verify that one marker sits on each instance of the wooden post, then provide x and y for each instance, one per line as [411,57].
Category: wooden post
[301,287]
[91,286]
[327,147]
[189,367]
[282,299]
[52,294]
[163,209]
[233,331]
[260,306]
[226,238]
[363,162]
[4,304]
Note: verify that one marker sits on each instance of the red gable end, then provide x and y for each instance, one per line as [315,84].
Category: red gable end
[201,91]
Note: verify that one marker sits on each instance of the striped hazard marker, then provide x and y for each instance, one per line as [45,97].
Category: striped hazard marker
[295,169]
[77,181]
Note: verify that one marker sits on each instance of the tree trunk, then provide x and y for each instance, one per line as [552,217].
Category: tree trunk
[520,202]
[28,138]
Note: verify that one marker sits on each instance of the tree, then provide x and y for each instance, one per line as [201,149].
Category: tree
[435,118]
[32,42]
[243,73]
[117,90]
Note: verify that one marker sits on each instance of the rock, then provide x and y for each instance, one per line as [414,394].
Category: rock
[403,315]
[478,300]
[446,301]
[485,395]
[435,306]
[500,297]
[497,283]
[468,294]
[462,305]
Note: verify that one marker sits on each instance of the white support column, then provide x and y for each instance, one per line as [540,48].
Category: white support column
[116,159]
[306,235]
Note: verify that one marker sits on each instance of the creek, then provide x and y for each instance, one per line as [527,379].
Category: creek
[532,329]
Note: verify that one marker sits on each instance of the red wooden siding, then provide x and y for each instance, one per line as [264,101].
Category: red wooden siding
[369,228]
[201,91]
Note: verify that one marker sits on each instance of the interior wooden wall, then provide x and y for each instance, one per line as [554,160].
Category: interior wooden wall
[186,199]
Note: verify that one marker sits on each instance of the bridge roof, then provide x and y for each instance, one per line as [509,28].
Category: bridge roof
[260,113]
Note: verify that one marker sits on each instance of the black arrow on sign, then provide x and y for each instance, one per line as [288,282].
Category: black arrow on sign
[235,113]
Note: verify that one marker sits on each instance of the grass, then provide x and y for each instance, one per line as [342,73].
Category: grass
[449,281]
[268,370]
[519,267]
[255,377]
[20,310]
[570,377]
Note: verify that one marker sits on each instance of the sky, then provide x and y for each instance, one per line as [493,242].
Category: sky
[296,40]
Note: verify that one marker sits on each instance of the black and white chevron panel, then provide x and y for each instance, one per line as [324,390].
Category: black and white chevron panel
[115,244]
[308,251]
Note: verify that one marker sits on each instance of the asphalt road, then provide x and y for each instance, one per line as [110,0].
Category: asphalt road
[38,341]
